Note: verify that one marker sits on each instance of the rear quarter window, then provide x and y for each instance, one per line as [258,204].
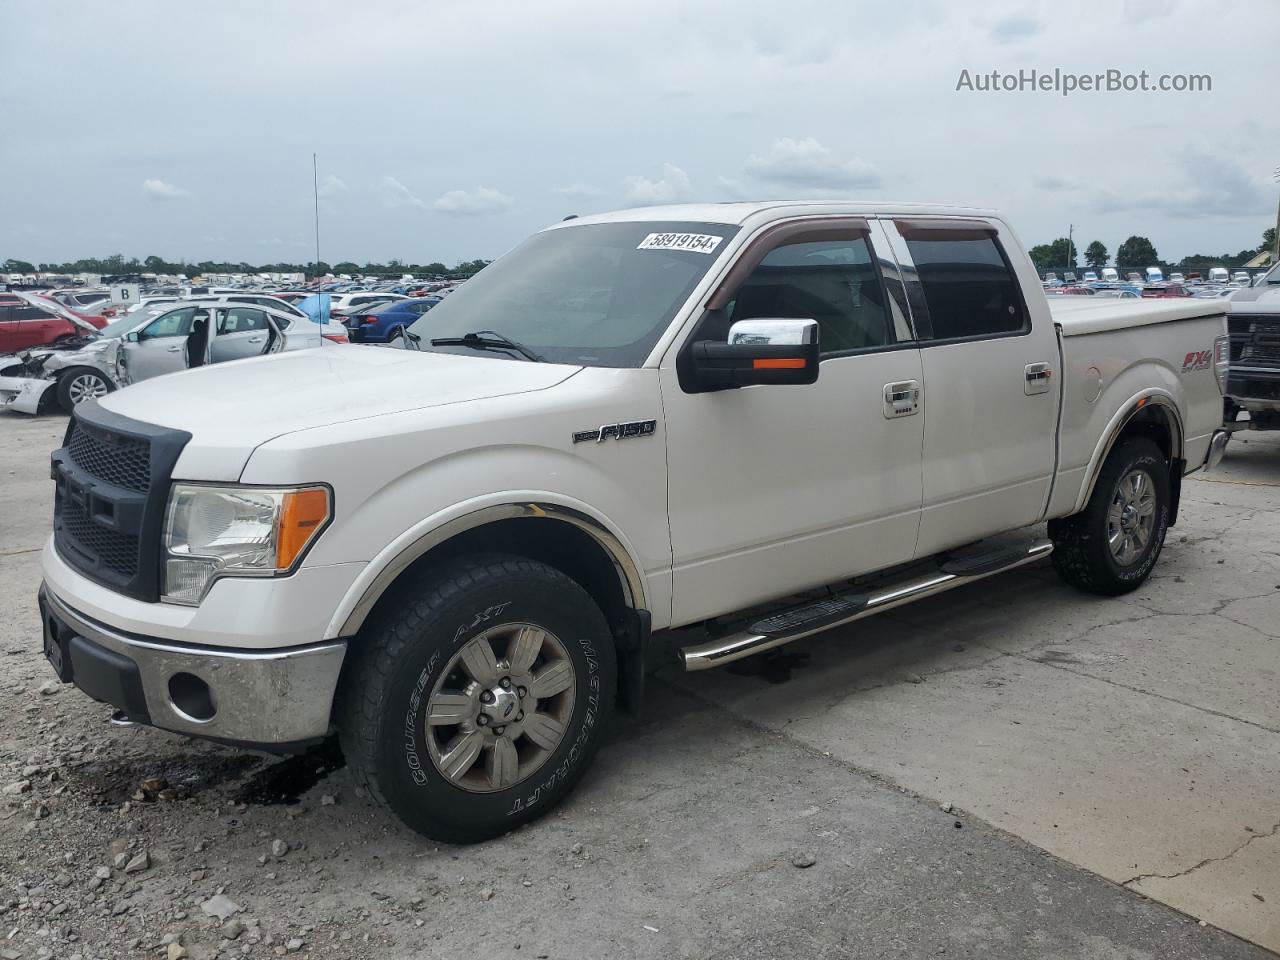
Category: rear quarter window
[969,287]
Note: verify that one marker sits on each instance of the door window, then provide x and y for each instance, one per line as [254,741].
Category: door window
[835,282]
[241,320]
[970,290]
[175,323]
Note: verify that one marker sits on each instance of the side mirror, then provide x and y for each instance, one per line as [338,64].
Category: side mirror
[759,351]
[132,336]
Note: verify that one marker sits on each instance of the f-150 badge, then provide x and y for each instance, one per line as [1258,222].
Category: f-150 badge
[618,431]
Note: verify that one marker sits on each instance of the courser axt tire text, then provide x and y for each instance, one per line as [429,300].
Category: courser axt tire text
[1111,546]
[477,696]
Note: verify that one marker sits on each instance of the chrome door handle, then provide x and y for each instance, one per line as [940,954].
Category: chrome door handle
[175,348]
[1037,378]
[256,339]
[901,399]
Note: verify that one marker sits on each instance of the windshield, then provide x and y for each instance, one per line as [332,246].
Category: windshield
[597,294]
[131,321]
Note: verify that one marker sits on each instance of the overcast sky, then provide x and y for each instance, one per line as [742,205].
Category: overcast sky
[449,130]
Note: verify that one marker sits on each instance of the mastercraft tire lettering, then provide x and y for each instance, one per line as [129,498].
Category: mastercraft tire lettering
[477,696]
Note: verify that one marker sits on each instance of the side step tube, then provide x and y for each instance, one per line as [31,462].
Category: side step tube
[716,653]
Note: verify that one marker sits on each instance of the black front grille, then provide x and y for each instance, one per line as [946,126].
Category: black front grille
[117,552]
[126,462]
[112,479]
[1255,341]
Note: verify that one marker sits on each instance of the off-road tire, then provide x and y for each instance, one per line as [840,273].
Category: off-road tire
[405,648]
[68,377]
[1081,554]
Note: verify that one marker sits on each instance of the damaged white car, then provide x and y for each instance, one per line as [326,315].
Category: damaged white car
[138,346]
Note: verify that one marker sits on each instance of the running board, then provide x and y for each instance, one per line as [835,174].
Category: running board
[955,570]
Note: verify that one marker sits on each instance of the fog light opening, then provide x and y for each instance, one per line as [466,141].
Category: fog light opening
[192,697]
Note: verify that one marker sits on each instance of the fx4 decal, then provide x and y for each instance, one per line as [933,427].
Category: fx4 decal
[1197,360]
[618,431]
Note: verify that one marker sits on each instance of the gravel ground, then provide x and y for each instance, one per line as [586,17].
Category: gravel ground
[699,833]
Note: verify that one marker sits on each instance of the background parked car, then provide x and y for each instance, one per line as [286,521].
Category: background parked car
[381,324]
[31,320]
[344,304]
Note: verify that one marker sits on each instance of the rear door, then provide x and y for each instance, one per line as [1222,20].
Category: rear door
[241,332]
[990,364]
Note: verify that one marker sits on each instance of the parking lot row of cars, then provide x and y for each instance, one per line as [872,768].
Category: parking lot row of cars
[1151,284]
[68,346]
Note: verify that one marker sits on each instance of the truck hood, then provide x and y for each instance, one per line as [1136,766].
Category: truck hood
[232,408]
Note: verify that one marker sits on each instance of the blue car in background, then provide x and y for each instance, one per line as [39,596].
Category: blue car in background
[381,324]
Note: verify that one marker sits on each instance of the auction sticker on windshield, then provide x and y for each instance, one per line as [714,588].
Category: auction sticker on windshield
[695,242]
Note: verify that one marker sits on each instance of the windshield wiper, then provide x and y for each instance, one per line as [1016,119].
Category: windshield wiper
[488,340]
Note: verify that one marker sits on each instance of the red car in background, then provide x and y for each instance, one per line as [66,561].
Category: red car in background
[29,320]
[1166,290]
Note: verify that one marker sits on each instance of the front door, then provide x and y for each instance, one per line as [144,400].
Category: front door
[775,489]
[160,346]
[990,364]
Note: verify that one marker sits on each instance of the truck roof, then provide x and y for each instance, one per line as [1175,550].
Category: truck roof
[738,213]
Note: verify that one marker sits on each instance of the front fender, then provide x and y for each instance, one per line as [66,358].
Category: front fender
[415,542]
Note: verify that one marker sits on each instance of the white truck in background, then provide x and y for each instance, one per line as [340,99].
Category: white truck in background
[680,434]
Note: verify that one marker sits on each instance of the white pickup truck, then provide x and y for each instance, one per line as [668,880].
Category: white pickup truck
[679,434]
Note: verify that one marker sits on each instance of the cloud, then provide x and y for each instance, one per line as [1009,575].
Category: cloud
[1018,26]
[331,186]
[396,194]
[579,191]
[1140,11]
[1212,186]
[159,190]
[1054,184]
[472,202]
[671,187]
[807,163]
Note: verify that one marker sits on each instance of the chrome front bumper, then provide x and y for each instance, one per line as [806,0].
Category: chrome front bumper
[269,699]
[1217,449]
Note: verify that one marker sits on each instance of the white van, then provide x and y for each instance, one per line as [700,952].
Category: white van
[1218,275]
[1110,275]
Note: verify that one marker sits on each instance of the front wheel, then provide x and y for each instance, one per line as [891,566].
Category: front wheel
[80,384]
[1112,545]
[478,696]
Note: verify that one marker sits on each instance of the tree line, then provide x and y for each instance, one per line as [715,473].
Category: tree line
[119,264]
[1138,252]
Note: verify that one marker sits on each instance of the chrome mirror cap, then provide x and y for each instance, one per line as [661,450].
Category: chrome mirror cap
[776,331]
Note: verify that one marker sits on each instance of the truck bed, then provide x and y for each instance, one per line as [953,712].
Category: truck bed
[1077,316]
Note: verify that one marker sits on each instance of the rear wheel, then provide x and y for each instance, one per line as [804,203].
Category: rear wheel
[479,697]
[80,384]
[1112,545]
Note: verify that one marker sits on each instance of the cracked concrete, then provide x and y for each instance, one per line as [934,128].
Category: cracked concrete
[1136,736]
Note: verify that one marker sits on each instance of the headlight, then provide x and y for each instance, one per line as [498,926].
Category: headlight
[212,532]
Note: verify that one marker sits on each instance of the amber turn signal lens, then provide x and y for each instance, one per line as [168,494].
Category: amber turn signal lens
[303,514]
[779,363]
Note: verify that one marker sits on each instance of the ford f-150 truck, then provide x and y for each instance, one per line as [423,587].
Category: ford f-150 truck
[680,434]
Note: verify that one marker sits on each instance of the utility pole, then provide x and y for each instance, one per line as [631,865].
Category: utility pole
[315,180]
[1071,261]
